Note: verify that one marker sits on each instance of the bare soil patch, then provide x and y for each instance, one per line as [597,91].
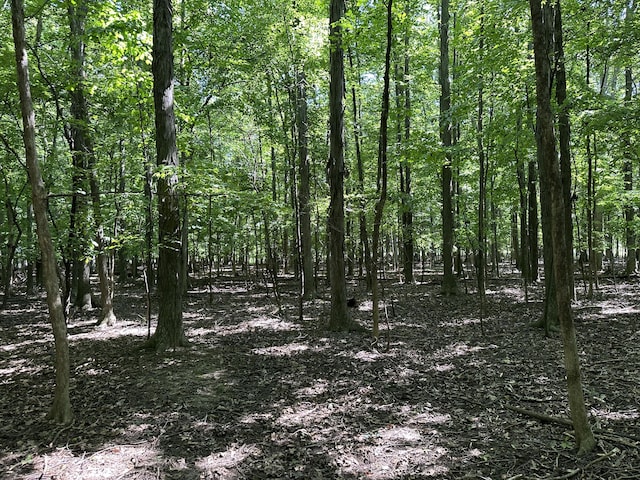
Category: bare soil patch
[261,394]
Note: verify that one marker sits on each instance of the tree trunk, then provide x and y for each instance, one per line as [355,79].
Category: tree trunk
[169,331]
[482,183]
[61,409]
[304,191]
[449,284]
[405,168]
[629,214]
[564,131]
[381,182]
[83,148]
[339,317]
[362,217]
[550,176]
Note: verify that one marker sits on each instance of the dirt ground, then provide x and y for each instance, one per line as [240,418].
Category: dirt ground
[260,394]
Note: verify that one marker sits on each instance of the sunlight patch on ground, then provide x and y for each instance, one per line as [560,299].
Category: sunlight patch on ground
[460,322]
[615,308]
[281,350]
[305,414]
[226,464]
[259,323]
[443,367]
[17,366]
[116,461]
[457,349]
[398,451]
[318,388]
[616,416]
[123,329]
[27,343]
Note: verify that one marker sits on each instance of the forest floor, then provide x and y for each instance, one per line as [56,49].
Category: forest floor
[260,394]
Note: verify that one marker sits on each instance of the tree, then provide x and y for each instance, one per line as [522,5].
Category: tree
[82,148]
[339,318]
[449,284]
[381,182]
[550,176]
[169,332]
[61,409]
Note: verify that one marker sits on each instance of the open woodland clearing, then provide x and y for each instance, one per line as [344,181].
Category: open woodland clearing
[259,394]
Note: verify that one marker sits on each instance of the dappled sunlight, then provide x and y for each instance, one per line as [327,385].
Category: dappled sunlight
[258,323]
[306,414]
[397,451]
[320,387]
[616,416]
[282,350]
[226,464]
[461,322]
[457,349]
[108,463]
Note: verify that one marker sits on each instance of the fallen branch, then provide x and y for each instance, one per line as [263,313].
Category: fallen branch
[622,439]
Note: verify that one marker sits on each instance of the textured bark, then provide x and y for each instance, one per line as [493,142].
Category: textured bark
[405,170]
[564,134]
[482,183]
[61,409]
[449,284]
[629,213]
[83,148]
[339,318]
[362,215]
[304,191]
[550,177]
[381,182]
[169,331]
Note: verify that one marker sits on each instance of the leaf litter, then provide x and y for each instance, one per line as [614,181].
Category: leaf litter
[259,394]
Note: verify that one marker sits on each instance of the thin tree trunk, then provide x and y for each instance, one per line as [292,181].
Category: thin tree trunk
[61,409]
[629,214]
[381,183]
[362,217]
[482,184]
[550,176]
[449,284]
[304,191]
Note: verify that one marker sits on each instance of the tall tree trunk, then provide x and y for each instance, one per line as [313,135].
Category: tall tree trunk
[61,409]
[449,284]
[629,214]
[304,190]
[405,168]
[564,133]
[169,331]
[550,176]
[339,318]
[362,215]
[381,182]
[83,148]
[482,181]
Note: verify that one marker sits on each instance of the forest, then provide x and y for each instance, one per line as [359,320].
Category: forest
[386,239]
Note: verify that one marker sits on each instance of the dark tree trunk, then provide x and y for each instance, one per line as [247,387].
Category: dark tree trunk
[382,176]
[339,318]
[304,191]
[169,332]
[362,217]
[564,133]
[449,284]
[629,214]
[550,177]
[405,169]
[61,409]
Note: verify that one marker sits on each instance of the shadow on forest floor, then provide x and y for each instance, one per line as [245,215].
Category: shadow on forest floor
[261,395]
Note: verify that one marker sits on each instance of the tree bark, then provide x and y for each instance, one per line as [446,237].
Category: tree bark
[550,176]
[83,148]
[339,318]
[381,182]
[169,331]
[629,213]
[304,190]
[61,409]
[449,284]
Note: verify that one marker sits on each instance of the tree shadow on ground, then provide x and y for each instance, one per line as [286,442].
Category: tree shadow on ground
[260,395]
